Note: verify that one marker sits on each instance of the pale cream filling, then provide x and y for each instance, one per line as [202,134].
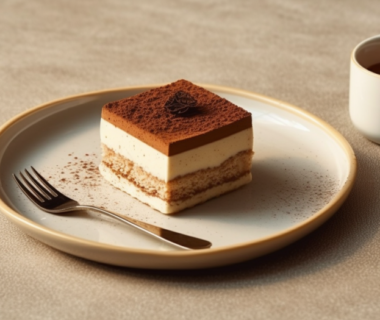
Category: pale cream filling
[167,168]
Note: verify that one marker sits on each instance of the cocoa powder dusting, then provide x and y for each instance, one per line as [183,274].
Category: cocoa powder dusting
[145,117]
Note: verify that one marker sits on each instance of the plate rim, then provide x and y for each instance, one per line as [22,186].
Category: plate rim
[298,230]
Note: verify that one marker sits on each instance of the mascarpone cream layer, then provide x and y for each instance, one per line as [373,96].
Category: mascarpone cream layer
[167,168]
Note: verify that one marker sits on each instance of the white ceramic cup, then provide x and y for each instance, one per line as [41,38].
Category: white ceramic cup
[365,89]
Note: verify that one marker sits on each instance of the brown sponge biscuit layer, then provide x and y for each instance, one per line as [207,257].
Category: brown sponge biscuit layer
[183,187]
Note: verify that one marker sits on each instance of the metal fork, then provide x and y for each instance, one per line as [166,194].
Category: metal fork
[49,199]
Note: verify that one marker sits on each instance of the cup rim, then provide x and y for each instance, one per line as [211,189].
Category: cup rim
[358,46]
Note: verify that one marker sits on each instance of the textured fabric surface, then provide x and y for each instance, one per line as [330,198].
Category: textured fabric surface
[297,51]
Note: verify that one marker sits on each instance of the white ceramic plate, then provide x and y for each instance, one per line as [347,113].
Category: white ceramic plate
[303,170]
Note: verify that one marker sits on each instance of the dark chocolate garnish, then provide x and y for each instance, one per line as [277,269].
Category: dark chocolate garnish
[181,104]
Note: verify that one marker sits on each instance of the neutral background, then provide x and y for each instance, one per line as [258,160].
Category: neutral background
[297,51]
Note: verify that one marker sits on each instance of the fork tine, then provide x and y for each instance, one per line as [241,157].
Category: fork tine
[46,184]
[26,191]
[46,193]
[32,188]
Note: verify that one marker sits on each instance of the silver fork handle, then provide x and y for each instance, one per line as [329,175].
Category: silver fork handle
[178,239]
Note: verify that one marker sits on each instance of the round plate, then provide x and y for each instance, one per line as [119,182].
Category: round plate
[303,170]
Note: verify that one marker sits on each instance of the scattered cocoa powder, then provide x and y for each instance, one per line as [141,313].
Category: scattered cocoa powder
[83,173]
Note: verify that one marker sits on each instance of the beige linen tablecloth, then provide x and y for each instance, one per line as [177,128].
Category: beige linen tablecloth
[295,51]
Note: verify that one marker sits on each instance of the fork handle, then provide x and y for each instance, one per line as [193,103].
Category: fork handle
[178,239]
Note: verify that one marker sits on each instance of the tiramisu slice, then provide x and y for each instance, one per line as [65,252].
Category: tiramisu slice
[175,146]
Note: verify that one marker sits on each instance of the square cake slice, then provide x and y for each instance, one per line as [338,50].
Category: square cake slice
[176,146]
